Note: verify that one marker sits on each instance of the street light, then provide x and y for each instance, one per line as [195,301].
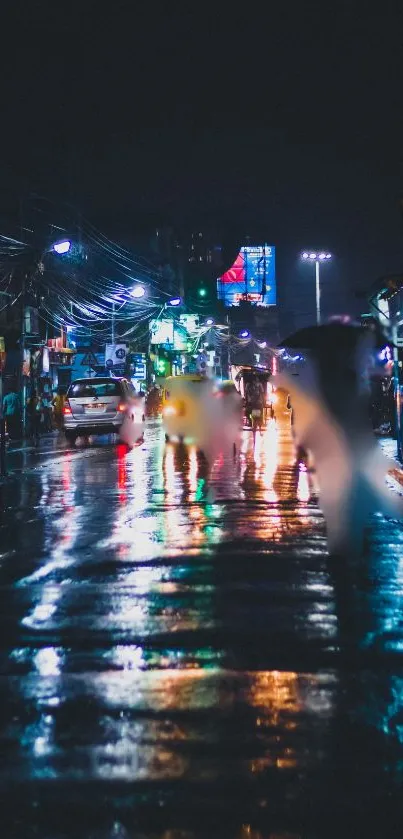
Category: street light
[317,258]
[62,247]
[137,292]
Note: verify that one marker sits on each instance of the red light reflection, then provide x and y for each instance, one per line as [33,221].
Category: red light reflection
[66,476]
[122,473]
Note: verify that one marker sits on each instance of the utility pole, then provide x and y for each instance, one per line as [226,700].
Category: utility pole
[3,470]
[23,386]
[317,286]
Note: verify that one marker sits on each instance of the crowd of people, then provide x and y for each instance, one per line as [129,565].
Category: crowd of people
[44,412]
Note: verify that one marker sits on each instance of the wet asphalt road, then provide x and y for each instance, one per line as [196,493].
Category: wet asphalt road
[180,659]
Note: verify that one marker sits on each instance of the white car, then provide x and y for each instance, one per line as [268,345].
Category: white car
[103,406]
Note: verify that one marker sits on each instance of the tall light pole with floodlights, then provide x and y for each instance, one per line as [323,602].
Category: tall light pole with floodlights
[317,258]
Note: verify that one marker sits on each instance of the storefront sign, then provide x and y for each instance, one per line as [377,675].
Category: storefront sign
[139,366]
[45,360]
[115,357]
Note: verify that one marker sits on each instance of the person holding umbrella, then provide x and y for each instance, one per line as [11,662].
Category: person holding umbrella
[330,398]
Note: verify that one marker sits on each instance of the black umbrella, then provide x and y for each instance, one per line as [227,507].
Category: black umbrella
[330,336]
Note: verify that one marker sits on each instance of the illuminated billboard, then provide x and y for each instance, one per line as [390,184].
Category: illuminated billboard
[161,332]
[190,323]
[180,339]
[252,277]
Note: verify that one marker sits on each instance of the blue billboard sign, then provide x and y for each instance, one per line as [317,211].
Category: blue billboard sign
[252,277]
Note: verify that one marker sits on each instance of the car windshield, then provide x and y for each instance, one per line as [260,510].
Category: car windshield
[95,389]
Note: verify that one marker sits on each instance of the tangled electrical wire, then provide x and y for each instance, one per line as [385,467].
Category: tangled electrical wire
[87,286]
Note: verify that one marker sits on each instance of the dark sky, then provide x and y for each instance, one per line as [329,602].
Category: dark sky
[285,124]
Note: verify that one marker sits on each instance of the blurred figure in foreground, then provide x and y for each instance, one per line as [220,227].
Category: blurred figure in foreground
[198,412]
[232,415]
[331,421]
[191,410]
[132,429]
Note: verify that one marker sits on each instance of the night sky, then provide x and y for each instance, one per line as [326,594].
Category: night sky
[284,125]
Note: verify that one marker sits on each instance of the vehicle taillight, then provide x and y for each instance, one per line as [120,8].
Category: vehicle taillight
[121,407]
[67,411]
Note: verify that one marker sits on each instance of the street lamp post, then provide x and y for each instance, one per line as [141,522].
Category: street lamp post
[3,470]
[137,292]
[317,292]
[60,248]
[317,258]
[113,324]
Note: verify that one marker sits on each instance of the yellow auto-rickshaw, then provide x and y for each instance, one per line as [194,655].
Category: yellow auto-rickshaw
[182,405]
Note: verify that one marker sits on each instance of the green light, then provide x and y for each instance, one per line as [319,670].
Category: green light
[200,491]
[162,366]
[202,292]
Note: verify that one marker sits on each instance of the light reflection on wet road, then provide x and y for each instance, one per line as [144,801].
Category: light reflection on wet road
[180,659]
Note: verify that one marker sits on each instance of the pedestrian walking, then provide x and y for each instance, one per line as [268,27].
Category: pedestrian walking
[47,412]
[35,416]
[301,453]
[58,406]
[12,413]
[331,402]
